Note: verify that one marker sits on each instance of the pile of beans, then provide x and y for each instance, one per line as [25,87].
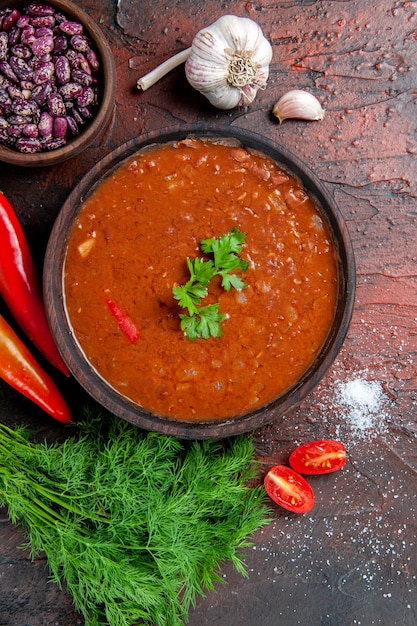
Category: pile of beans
[49,78]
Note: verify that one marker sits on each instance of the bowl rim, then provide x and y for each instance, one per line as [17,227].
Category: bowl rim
[108,68]
[119,404]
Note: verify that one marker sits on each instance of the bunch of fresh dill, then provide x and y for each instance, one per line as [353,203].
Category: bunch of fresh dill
[136,524]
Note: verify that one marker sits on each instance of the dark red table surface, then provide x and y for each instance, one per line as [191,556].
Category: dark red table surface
[352,560]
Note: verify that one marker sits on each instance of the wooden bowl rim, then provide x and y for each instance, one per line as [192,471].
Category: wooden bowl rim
[122,406]
[108,69]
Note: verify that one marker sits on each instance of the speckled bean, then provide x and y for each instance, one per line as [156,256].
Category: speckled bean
[56,106]
[60,17]
[46,124]
[62,70]
[70,90]
[21,50]
[17,120]
[79,76]
[15,130]
[92,60]
[80,43]
[84,64]
[10,19]
[77,116]
[53,143]
[44,31]
[86,97]
[86,112]
[23,21]
[14,35]
[8,72]
[70,27]
[44,20]
[73,57]
[41,92]
[5,139]
[21,68]
[36,62]
[42,45]
[61,44]
[28,35]
[43,73]
[27,85]
[72,125]
[4,45]
[31,130]
[15,92]
[39,9]
[5,99]
[29,145]
[27,108]
[60,127]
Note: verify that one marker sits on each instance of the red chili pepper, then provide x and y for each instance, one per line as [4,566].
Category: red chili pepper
[20,285]
[20,370]
[126,325]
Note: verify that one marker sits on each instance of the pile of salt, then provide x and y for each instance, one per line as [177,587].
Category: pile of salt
[363,402]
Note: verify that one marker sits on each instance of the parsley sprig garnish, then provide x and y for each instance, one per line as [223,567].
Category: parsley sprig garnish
[205,321]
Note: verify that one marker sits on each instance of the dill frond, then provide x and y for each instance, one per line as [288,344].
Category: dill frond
[137,525]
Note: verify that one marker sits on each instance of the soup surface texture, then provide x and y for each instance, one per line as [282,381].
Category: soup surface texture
[128,249]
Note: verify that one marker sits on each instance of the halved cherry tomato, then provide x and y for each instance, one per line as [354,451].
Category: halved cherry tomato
[322,456]
[288,489]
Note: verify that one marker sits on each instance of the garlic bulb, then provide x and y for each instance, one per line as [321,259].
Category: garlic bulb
[227,62]
[298,104]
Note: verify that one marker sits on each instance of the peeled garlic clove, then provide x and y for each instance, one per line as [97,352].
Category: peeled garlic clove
[298,104]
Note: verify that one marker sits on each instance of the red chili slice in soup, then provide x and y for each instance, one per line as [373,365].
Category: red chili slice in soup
[124,322]
[288,489]
[322,456]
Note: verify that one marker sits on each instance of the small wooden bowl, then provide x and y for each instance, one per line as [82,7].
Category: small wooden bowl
[122,406]
[94,127]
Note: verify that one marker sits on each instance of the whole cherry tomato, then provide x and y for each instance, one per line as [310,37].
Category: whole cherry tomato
[288,489]
[322,456]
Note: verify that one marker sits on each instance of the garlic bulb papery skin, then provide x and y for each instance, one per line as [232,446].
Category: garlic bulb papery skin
[298,104]
[229,61]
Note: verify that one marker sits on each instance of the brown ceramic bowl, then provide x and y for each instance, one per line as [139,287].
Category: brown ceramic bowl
[107,84]
[122,406]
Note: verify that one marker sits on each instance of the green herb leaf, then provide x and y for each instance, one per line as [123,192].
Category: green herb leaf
[135,524]
[232,280]
[189,296]
[222,247]
[201,271]
[204,321]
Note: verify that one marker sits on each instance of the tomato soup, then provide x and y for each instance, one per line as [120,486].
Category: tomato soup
[129,246]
